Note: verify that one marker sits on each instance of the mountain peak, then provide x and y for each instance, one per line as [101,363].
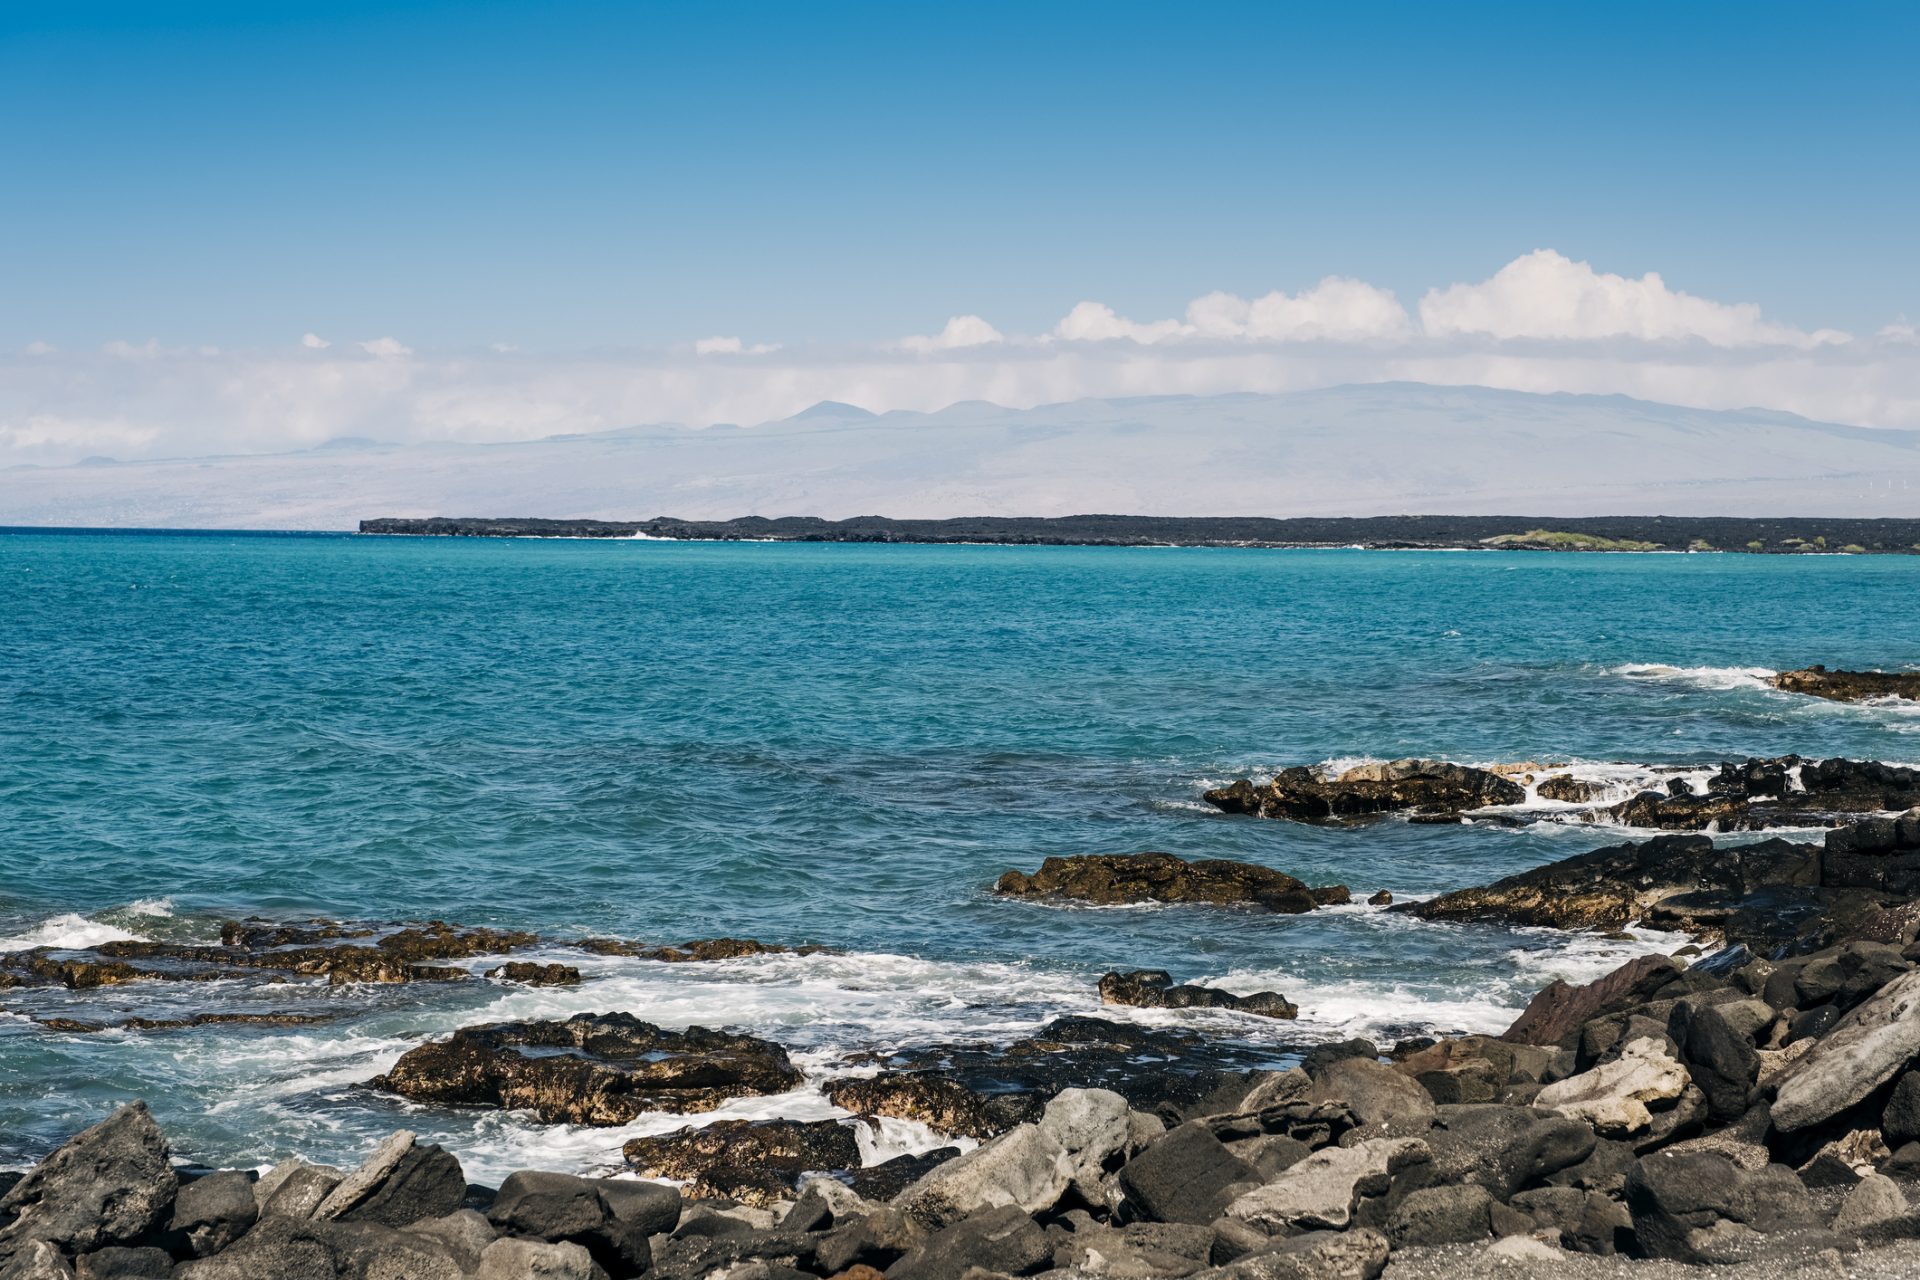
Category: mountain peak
[832,409]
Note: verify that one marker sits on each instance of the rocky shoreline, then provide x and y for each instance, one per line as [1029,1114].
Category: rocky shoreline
[1777,536]
[1757,1106]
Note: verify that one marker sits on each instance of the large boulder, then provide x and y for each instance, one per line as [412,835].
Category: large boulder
[1617,1097]
[109,1185]
[210,1213]
[1863,1051]
[1458,1214]
[1376,1094]
[1323,1190]
[1117,879]
[1359,1254]
[593,1068]
[1701,1207]
[1003,1240]
[400,1183]
[288,1248]
[1505,1149]
[942,1104]
[1716,1042]
[1026,1167]
[611,1218]
[1559,1010]
[1155,989]
[1188,1176]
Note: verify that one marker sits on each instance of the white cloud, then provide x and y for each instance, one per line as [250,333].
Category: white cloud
[1545,323]
[719,346]
[960,331]
[1549,296]
[314,342]
[39,349]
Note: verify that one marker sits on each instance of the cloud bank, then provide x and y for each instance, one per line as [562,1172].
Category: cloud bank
[1544,322]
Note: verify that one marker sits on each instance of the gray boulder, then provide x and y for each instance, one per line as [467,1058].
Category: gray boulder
[1093,1126]
[1505,1149]
[1360,1254]
[118,1263]
[37,1260]
[1900,1122]
[1004,1239]
[878,1240]
[1717,1046]
[1876,1199]
[1024,1167]
[611,1218]
[465,1232]
[287,1248]
[535,1260]
[400,1183]
[1375,1093]
[295,1188]
[1323,1190]
[1863,1051]
[210,1213]
[1459,1214]
[109,1185]
[1186,1176]
[1701,1207]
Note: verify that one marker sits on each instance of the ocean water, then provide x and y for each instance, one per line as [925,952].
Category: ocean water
[814,743]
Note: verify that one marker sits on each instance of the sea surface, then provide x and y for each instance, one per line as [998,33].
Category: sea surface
[829,744]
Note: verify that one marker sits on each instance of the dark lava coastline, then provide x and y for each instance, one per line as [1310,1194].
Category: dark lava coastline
[1782,536]
[1753,1108]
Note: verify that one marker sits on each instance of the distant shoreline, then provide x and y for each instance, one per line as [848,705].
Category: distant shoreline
[1799,535]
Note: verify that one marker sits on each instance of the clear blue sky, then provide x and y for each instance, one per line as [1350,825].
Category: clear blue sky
[572,174]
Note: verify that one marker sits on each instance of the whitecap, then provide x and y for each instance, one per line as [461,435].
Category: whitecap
[69,932]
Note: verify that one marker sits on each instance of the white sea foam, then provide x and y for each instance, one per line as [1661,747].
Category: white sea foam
[70,931]
[1698,677]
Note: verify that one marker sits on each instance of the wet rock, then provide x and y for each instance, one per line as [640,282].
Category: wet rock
[529,974]
[465,1232]
[594,1069]
[889,1178]
[399,955]
[1863,1051]
[1470,1068]
[700,951]
[1113,879]
[1564,788]
[1025,1167]
[755,1162]
[1002,1240]
[611,1218]
[989,1087]
[400,1183]
[1559,1010]
[1848,686]
[210,1213]
[109,1185]
[1323,1190]
[1399,786]
[1602,889]
[1155,989]
[1460,1214]
[943,1105]
[1383,898]
[1187,1176]
[1616,1097]
[1702,1208]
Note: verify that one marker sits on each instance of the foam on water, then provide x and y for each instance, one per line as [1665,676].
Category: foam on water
[1697,677]
[67,931]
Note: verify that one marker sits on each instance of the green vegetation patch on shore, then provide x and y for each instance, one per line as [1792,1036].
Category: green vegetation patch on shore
[1561,540]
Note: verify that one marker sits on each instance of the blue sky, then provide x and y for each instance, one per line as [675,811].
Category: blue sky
[565,176]
[253,227]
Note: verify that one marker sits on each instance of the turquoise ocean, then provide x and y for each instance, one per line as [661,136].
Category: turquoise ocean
[832,744]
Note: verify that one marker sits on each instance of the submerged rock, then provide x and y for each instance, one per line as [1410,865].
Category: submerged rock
[593,1068]
[529,974]
[1155,989]
[1848,686]
[699,951]
[1117,879]
[1369,790]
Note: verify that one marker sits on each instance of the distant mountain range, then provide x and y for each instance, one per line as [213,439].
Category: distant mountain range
[1376,449]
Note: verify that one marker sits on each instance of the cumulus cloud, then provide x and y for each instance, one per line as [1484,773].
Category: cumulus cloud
[314,342]
[1548,295]
[1543,323]
[960,332]
[39,349]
